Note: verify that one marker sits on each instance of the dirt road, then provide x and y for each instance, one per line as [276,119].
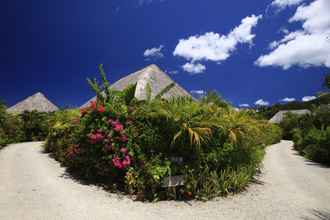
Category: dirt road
[34,186]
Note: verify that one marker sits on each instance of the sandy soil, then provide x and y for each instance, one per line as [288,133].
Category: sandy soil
[34,186]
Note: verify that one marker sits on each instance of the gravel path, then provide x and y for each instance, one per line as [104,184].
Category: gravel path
[34,186]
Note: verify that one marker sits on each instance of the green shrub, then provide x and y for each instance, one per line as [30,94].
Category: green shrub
[35,125]
[10,127]
[314,144]
[134,145]
[63,126]
[311,134]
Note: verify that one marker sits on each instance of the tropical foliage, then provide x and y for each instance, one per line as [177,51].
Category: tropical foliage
[135,146]
[10,127]
[310,133]
[27,126]
[35,125]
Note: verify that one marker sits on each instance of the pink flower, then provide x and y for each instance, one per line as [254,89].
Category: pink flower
[95,138]
[116,125]
[121,164]
[127,161]
[123,150]
[117,163]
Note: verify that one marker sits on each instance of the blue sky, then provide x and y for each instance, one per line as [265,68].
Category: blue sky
[53,46]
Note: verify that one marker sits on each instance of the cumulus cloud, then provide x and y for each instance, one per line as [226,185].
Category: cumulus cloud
[215,47]
[194,68]
[287,99]
[308,98]
[244,105]
[285,3]
[309,46]
[155,52]
[262,102]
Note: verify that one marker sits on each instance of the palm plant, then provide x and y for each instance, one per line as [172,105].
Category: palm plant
[186,120]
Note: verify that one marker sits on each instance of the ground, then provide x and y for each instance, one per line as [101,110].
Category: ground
[34,186]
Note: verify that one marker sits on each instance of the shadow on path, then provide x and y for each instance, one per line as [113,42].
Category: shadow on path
[318,215]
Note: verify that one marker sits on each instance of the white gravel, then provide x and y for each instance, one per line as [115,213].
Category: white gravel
[33,186]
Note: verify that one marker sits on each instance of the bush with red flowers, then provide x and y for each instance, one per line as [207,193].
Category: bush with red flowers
[139,146]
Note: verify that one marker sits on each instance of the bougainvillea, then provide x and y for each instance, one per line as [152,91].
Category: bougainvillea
[105,135]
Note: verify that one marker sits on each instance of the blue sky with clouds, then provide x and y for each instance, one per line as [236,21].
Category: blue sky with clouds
[256,51]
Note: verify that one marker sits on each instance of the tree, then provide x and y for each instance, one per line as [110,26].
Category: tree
[212,97]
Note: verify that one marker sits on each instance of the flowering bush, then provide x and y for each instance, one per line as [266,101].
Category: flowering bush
[137,145]
[102,146]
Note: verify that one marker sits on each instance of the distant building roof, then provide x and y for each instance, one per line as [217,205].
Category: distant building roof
[279,116]
[152,75]
[37,102]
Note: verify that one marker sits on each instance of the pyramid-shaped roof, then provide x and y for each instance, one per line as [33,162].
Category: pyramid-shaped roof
[152,75]
[37,102]
[279,116]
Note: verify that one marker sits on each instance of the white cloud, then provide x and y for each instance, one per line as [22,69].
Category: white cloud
[262,102]
[285,3]
[273,45]
[315,16]
[215,47]
[284,30]
[244,105]
[155,52]
[198,92]
[308,98]
[287,99]
[309,46]
[194,68]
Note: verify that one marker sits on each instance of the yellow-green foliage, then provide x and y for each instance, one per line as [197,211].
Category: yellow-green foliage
[62,126]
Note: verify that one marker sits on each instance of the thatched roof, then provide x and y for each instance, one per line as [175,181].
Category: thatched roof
[279,116]
[37,102]
[152,75]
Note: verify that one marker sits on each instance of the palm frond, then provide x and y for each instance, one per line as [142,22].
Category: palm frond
[165,90]
[128,94]
[148,92]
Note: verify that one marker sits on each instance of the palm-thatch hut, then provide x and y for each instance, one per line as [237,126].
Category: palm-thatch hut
[154,77]
[37,102]
[279,116]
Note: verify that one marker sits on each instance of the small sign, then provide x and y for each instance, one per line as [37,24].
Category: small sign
[173,181]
